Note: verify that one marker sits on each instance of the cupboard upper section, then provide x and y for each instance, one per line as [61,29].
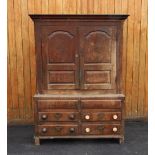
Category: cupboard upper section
[80,52]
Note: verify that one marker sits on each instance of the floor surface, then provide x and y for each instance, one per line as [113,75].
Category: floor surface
[20,142]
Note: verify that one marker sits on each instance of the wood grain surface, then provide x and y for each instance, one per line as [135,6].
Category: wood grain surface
[21,51]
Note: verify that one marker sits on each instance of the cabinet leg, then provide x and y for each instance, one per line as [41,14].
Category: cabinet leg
[37,140]
[121,140]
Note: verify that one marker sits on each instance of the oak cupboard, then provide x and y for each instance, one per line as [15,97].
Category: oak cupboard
[79,76]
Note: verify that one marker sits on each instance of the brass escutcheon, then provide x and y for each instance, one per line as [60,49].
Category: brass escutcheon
[58,115]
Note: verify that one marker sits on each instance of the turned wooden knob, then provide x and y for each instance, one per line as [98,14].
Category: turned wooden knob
[87,130]
[115,116]
[76,55]
[44,130]
[114,129]
[72,116]
[87,117]
[72,130]
[44,116]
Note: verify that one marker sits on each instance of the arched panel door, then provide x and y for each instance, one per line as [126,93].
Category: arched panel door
[98,57]
[60,57]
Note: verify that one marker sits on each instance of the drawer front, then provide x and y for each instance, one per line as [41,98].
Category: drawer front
[101,129]
[58,130]
[58,116]
[101,116]
[47,105]
[101,104]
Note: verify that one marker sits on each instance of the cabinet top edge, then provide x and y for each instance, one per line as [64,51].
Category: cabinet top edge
[80,16]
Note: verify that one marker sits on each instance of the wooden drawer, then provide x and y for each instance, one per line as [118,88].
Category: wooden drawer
[47,105]
[100,116]
[101,129]
[101,104]
[58,130]
[58,116]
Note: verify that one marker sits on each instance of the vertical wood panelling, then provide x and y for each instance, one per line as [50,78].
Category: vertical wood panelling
[129,73]
[37,6]
[20,65]
[136,35]
[31,9]
[118,6]
[111,6]
[142,57]
[72,7]
[13,110]
[124,54]
[65,7]
[58,7]
[21,50]
[84,6]
[9,90]
[90,5]
[44,6]
[146,66]
[96,7]
[104,6]
[26,59]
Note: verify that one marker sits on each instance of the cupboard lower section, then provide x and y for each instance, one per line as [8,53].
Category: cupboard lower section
[79,117]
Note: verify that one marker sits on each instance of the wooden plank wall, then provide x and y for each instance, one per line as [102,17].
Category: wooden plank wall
[21,53]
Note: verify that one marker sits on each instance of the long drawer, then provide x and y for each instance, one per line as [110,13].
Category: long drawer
[101,104]
[101,129]
[58,130]
[88,116]
[47,105]
[58,116]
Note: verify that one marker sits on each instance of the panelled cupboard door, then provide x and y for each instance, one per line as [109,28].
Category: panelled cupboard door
[98,56]
[78,56]
[60,57]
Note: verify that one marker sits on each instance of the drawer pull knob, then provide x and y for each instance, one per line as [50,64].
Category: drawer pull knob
[87,130]
[44,116]
[87,117]
[44,130]
[72,130]
[72,116]
[115,117]
[76,55]
[114,129]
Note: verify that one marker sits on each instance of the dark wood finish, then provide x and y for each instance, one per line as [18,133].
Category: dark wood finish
[58,130]
[98,54]
[100,129]
[58,116]
[79,17]
[44,105]
[99,115]
[79,76]
[59,48]
[98,103]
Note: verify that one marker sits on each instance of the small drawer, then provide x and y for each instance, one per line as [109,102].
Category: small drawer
[101,129]
[58,130]
[101,116]
[101,104]
[58,116]
[47,105]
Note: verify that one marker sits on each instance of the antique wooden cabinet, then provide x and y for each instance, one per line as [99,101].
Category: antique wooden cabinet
[79,80]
